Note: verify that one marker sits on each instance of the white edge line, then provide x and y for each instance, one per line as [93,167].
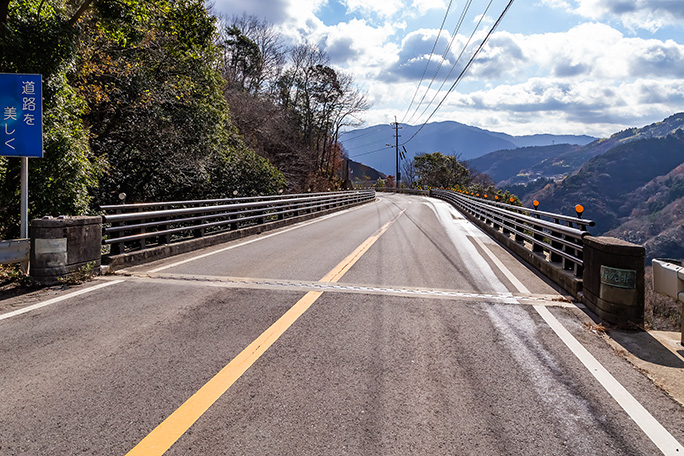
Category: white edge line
[204,255]
[57,299]
[509,275]
[651,427]
[655,431]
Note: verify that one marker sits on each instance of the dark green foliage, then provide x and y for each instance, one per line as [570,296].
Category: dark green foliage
[60,181]
[157,114]
[245,64]
[133,103]
[438,170]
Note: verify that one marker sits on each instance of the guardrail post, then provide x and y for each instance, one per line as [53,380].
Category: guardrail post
[537,248]
[163,238]
[554,257]
[668,280]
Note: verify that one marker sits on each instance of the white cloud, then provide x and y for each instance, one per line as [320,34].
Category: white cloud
[590,79]
[357,46]
[586,107]
[423,6]
[384,8]
[589,50]
[650,15]
[275,11]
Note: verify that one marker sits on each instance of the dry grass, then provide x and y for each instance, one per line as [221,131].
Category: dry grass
[11,275]
[661,313]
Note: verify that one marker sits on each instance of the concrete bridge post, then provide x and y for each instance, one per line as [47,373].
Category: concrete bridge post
[65,245]
[614,280]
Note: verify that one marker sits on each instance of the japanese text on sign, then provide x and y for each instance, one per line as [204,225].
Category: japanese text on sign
[21,104]
[620,278]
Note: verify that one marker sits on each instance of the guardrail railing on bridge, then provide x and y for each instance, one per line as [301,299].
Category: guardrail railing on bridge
[15,251]
[555,237]
[131,227]
[406,191]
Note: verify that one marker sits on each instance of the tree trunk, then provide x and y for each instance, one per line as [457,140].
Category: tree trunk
[4,11]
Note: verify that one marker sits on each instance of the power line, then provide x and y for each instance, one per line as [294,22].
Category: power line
[453,67]
[465,69]
[372,143]
[359,137]
[370,152]
[434,46]
[444,57]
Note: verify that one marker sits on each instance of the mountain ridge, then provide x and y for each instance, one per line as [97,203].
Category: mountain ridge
[369,145]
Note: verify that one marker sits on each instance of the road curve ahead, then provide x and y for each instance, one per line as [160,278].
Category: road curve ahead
[392,328]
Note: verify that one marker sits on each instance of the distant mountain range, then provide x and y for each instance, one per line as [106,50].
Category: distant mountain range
[368,145]
[529,164]
[631,184]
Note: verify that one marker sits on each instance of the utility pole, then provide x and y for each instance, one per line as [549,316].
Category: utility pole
[396,149]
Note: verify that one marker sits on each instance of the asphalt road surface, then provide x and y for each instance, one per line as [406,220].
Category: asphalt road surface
[392,328]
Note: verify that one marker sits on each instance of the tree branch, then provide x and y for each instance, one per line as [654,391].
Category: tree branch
[79,14]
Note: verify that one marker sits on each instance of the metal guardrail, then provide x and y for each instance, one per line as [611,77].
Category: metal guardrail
[407,191]
[558,239]
[15,251]
[130,227]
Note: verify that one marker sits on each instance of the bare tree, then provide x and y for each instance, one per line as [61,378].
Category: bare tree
[408,175]
[269,42]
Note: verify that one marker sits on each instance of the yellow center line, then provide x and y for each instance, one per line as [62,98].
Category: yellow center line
[172,428]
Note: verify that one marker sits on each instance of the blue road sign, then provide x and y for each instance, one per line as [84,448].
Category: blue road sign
[21,115]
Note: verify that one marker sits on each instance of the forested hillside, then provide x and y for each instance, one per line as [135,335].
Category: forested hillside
[289,104]
[512,166]
[532,166]
[631,184]
[159,100]
[633,191]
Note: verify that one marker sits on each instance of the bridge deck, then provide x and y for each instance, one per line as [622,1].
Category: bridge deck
[392,328]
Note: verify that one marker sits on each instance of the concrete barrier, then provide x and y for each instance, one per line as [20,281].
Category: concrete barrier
[614,280]
[64,245]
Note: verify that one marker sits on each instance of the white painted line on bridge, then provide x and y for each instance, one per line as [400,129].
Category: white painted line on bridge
[409,292]
[655,431]
[58,299]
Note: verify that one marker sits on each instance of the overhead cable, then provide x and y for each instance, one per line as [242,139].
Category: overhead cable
[444,57]
[453,67]
[434,46]
[465,69]
[370,152]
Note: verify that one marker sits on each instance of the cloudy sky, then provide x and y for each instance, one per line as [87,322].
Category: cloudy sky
[552,66]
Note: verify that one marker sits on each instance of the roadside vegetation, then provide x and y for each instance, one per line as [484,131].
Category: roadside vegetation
[661,313]
[159,100]
[437,170]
